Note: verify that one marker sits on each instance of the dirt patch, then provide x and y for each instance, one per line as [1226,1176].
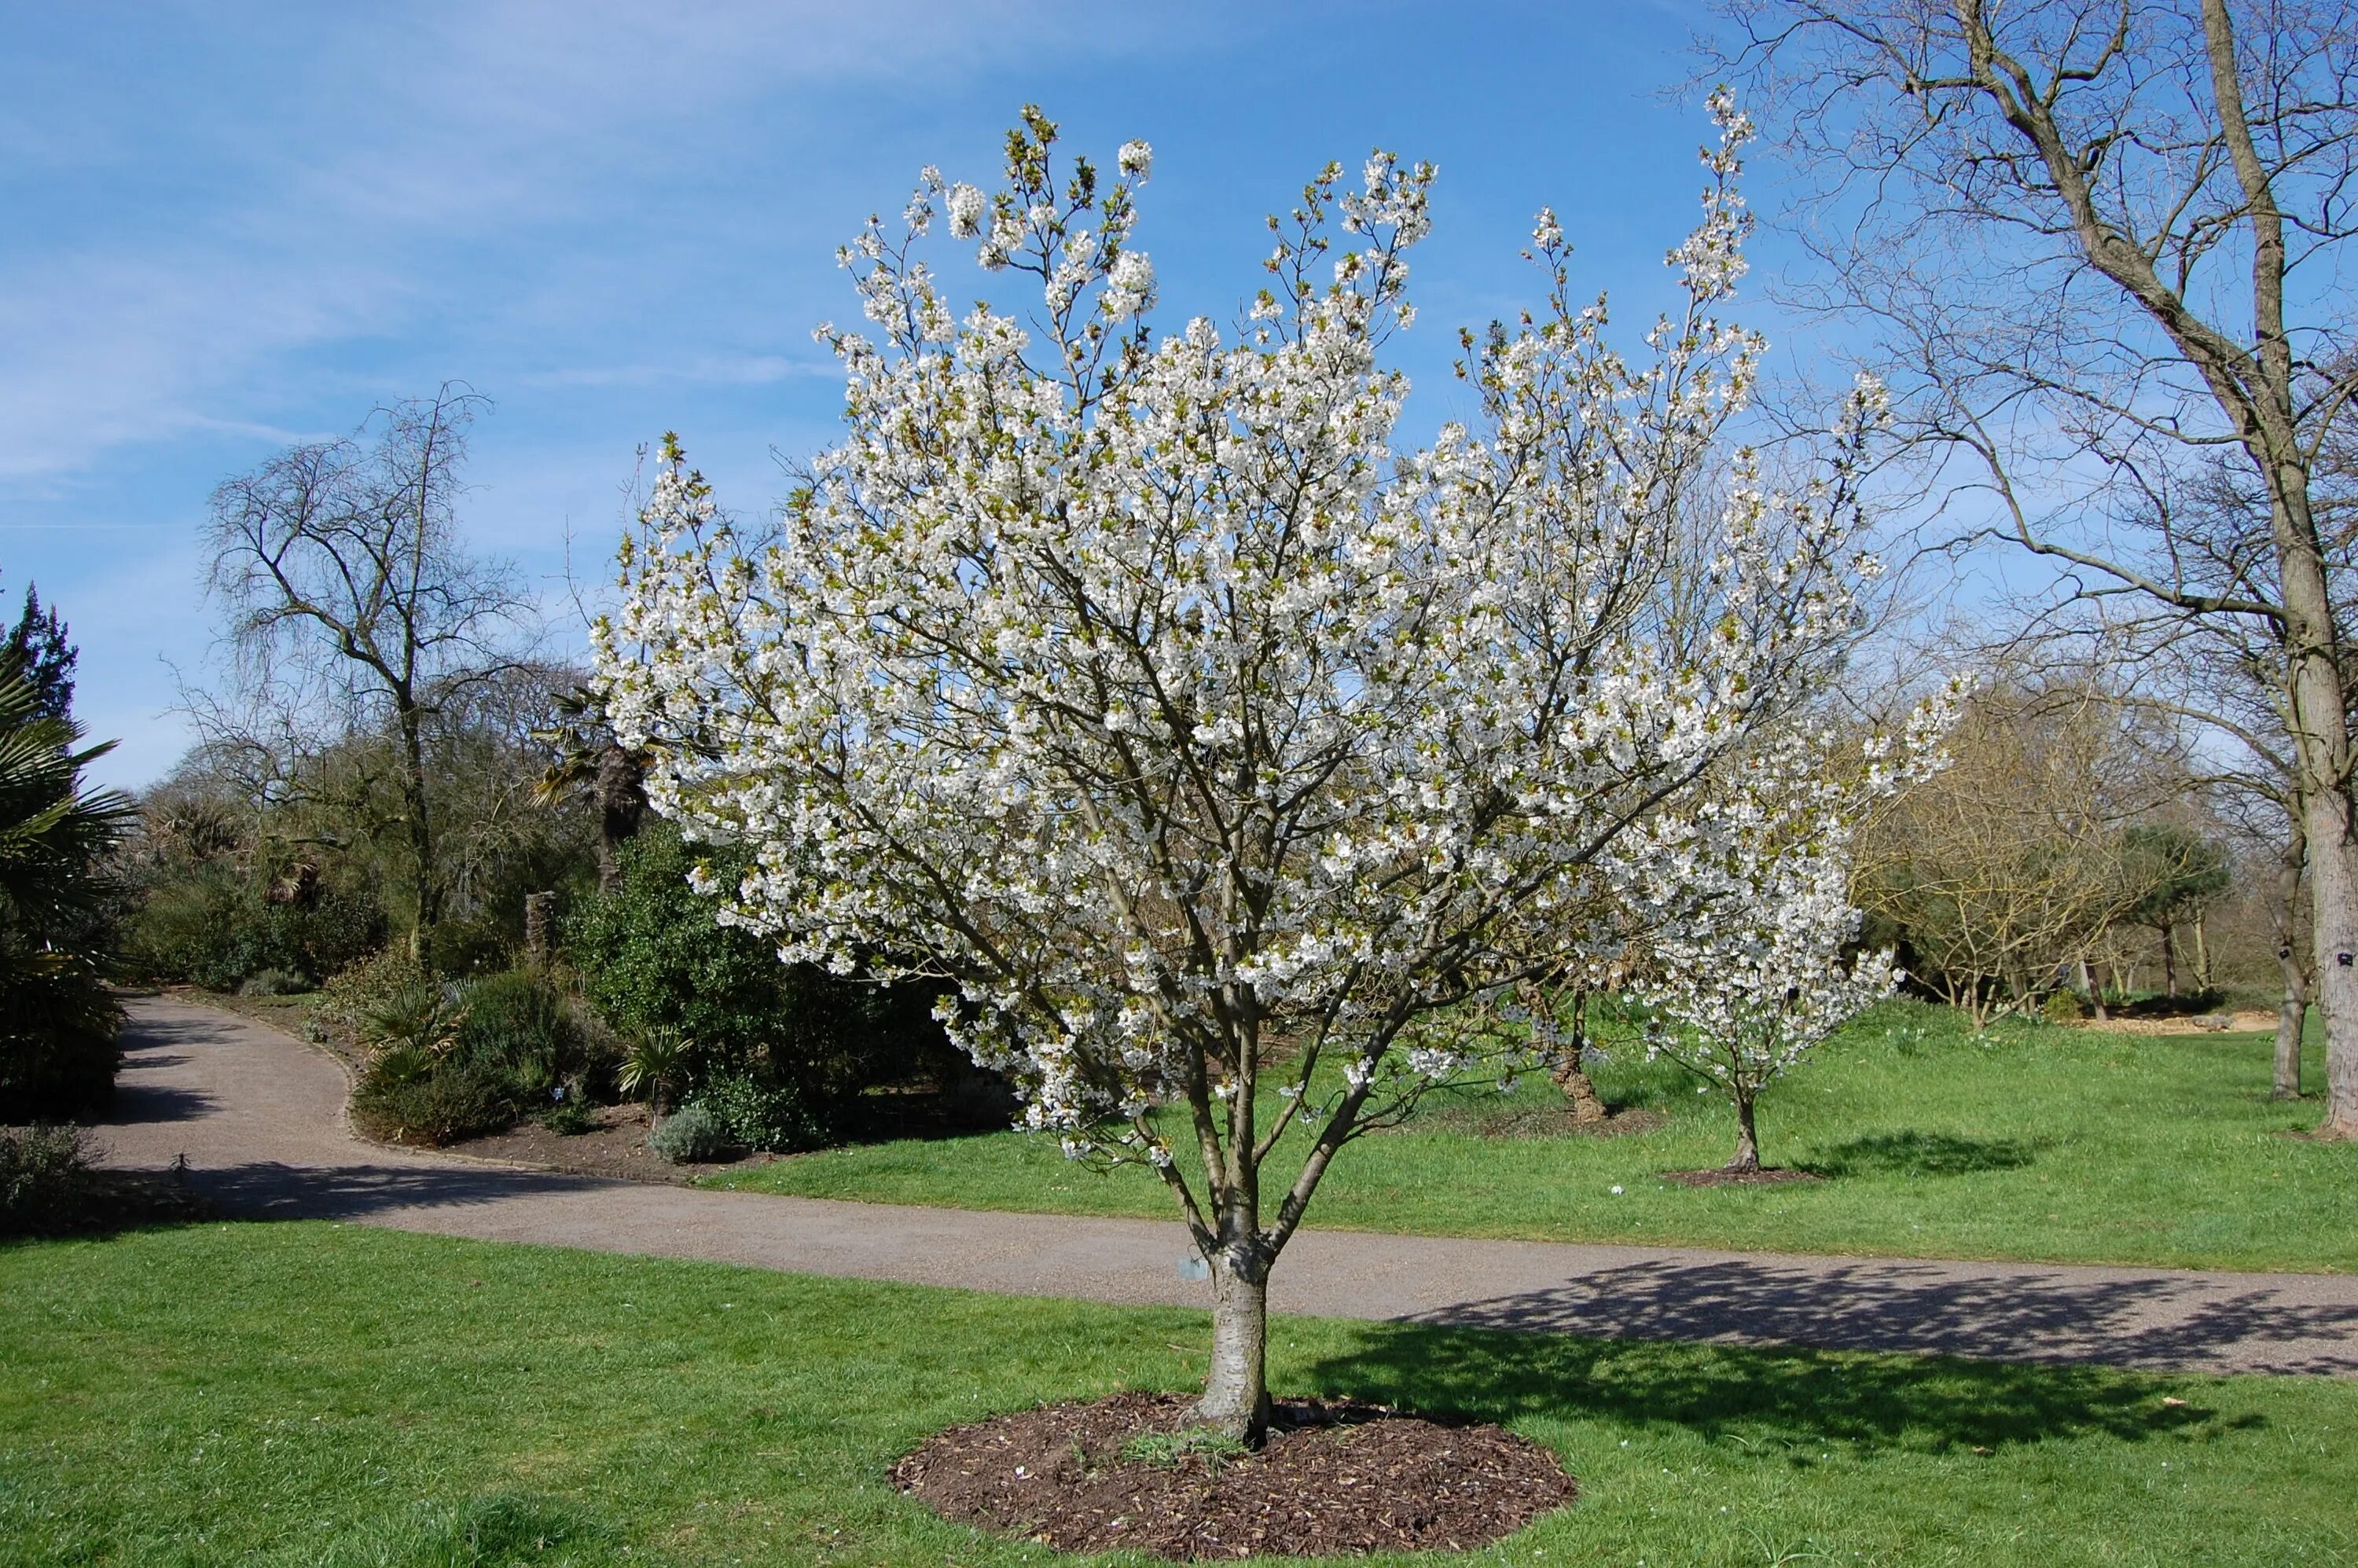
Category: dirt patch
[1767,1178]
[615,1147]
[1531,1121]
[1335,1478]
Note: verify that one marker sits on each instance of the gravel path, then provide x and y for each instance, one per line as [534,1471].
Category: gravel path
[258,1117]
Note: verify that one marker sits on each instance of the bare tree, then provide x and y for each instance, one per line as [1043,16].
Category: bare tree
[2004,868]
[2098,241]
[354,603]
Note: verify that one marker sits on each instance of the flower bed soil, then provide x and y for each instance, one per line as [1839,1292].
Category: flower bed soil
[1766,1178]
[1334,1478]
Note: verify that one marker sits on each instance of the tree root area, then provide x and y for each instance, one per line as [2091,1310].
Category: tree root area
[1761,1178]
[1334,1478]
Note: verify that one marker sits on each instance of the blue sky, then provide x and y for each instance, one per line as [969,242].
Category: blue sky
[232,227]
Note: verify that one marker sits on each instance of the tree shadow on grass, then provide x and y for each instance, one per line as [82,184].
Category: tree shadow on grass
[1913,1154]
[1762,1397]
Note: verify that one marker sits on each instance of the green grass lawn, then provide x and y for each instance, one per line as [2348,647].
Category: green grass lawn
[315,1394]
[2029,1142]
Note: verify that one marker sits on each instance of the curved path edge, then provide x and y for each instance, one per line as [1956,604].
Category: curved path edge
[258,1117]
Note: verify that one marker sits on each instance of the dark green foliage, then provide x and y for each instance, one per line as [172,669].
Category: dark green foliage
[570,1117]
[446,1101]
[58,1020]
[515,1018]
[58,1030]
[652,956]
[40,1170]
[212,927]
[459,948]
[693,1133]
[2179,870]
[759,1117]
[455,1062]
[38,645]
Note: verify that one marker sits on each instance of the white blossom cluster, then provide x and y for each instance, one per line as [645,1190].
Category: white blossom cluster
[1206,739]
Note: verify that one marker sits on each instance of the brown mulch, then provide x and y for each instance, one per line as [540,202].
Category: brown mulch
[1764,1178]
[616,1147]
[1334,1478]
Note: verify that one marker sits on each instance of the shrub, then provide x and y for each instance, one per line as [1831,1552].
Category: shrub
[571,1116]
[421,1014]
[58,1020]
[693,1133]
[210,926]
[2063,1007]
[367,983]
[518,1020]
[653,957]
[759,1117]
[274,982]
[447,1101]
[41,1173]
[58,1047]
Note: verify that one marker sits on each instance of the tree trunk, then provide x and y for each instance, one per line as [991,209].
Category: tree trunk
[2333,895]
[2088,988]
[2259,399]
[2202,956]
[1236,1392]
[2169,962]
[2292,1016]
[2292,1013]
[622,804]
[1747,1137]
[421,831]
[1588,1105]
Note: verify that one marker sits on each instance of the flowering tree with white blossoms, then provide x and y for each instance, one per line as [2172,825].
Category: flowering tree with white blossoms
[1745,990]
[1220,753]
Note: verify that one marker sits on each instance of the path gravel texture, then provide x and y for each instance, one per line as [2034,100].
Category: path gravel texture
[258,1117]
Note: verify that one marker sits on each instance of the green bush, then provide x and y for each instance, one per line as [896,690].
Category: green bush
[571,1116]
[369,982]
[694,1133]
[2063,1007]
[58,1049]
[516,1020]
[447,1101]
[41,1173]
[274,982]
[652,956]
[210,926]
[58,1020]
[759,1117]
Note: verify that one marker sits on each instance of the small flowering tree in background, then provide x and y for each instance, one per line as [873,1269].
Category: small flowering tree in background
[1224,756]
[1744,993]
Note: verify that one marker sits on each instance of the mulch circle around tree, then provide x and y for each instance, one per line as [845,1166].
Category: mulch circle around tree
[1334,1478]
[1763,1178]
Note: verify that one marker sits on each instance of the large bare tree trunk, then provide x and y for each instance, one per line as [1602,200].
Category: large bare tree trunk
[2333,909]
[1236,1392]
[2292,1013]
[2170,962]
[2261,401]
